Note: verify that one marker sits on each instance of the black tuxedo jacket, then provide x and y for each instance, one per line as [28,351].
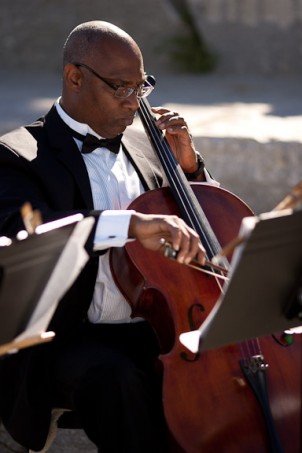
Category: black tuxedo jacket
[40,163]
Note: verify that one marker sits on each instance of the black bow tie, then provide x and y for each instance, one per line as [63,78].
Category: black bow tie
[91,142]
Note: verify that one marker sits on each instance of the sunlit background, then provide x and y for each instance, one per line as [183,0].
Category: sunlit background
[232,67]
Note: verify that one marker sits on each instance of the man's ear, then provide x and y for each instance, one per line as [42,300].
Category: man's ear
[73,77]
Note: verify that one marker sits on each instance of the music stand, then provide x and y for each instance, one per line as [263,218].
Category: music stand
[264,293]
[34,274]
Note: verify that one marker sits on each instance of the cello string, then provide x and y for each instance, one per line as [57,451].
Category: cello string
[169,170]
[160,142]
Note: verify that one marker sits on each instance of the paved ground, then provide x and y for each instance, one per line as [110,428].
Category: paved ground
[216,106]
[225,114]
[247,127]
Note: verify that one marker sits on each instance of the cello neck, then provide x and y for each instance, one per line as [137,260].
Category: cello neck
[189,207]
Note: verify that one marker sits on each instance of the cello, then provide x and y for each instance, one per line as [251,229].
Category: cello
[239,398]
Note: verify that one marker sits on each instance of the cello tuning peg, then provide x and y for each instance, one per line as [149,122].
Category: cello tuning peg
[151,79]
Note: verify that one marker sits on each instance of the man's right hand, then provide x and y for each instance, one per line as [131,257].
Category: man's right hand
[150,229]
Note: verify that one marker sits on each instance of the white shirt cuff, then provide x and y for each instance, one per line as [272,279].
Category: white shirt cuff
[112,229]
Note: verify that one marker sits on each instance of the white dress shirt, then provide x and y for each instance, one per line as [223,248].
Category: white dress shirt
[114,184]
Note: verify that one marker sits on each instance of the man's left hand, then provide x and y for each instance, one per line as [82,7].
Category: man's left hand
[178,137]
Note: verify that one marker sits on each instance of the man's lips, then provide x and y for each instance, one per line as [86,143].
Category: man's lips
[120,124]
[129,120]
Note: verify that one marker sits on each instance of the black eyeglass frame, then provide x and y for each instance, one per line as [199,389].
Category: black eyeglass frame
[149,88]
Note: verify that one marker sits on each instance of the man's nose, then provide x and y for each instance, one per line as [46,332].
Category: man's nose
[132,101]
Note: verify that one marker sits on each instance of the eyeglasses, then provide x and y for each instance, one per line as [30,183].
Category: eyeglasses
[120,91]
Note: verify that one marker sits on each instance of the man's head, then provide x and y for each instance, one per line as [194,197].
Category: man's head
[94,51]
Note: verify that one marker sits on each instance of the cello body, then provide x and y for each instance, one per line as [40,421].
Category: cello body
[208,402]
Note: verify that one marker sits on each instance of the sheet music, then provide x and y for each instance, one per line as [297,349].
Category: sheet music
[70,264]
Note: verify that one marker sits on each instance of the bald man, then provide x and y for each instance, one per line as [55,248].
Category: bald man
[102,361]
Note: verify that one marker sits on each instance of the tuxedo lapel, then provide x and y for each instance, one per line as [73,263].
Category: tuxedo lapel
[142,157]
[67,152]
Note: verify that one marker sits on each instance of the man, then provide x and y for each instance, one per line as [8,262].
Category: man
[101,363]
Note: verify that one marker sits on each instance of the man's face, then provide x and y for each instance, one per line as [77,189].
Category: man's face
[98,107]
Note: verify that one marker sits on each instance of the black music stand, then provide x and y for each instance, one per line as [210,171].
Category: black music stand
[34,274]
[264,294]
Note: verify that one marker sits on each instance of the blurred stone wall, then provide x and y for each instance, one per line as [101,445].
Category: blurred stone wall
[253,36]
[259,36]
[32,32]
